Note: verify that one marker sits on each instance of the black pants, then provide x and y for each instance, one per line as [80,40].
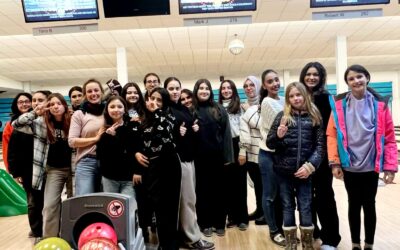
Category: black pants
[254,172]
[236,177]
[145,209]
[35,200]
[164,187]
[361,190]
[211,190]
[324,206]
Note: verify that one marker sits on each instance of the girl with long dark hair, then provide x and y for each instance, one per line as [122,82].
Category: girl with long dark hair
[214,152]
[235,174]
[186,142]
[271,105]
[115,149]
[313,76]
[158,153]
[134,100]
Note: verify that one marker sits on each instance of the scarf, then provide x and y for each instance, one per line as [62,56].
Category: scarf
[225,103]
[254,100]
[92,108]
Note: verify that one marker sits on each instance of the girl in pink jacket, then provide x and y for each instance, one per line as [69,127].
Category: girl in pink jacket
[361,144]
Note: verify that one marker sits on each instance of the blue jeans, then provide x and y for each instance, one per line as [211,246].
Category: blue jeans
[270,188]
[87,176]
[120,187]
[291,187]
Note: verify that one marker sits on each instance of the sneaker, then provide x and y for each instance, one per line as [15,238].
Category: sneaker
[243,226]
[278,239]
[207,232]
[254,215]
[202,245]
[230,224]
[37,240]
[327,247]
[261,221]
[220,231]
[368,246]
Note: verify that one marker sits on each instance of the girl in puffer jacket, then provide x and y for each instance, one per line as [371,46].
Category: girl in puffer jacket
[298,139]
[361,144]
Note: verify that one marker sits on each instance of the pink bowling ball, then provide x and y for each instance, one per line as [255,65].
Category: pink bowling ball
[99,244]
[97,231]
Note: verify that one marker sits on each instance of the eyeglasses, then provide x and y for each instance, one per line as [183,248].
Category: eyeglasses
[152,81]
[24,102]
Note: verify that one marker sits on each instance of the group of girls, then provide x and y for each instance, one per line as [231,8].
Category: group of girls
[293,145]
[185,156]
[309,141]
[110,139]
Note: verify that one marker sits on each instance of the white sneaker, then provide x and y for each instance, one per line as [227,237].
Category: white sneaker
[327,247]
[278,239]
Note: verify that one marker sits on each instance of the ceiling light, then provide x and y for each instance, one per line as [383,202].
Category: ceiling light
[236,46]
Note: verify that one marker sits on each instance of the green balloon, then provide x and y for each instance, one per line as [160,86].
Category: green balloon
[52,243]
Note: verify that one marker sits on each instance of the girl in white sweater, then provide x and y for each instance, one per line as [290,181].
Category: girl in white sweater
[271,105]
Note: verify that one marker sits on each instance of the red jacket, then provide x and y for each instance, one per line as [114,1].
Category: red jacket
[8,129]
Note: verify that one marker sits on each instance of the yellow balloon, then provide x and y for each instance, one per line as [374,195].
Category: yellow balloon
[52,243]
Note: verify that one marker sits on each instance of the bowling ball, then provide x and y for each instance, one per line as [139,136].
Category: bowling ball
[52,243]
[99,244]
[98,230]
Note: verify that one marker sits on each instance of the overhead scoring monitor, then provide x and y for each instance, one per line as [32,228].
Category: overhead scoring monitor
[333,3]
[59,10]
[212,6]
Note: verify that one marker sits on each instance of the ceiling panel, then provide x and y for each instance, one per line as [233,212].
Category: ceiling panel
[282,36]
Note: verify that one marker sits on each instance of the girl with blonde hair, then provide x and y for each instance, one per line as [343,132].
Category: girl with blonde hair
[298,138]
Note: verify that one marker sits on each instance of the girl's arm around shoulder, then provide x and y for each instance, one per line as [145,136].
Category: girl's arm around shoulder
[227,140]
[273,141]
[245,136]
[320,146]
[332,143]
[74,136]
[24,119]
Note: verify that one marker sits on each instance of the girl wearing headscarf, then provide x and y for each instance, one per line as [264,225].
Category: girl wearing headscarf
[250,137]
